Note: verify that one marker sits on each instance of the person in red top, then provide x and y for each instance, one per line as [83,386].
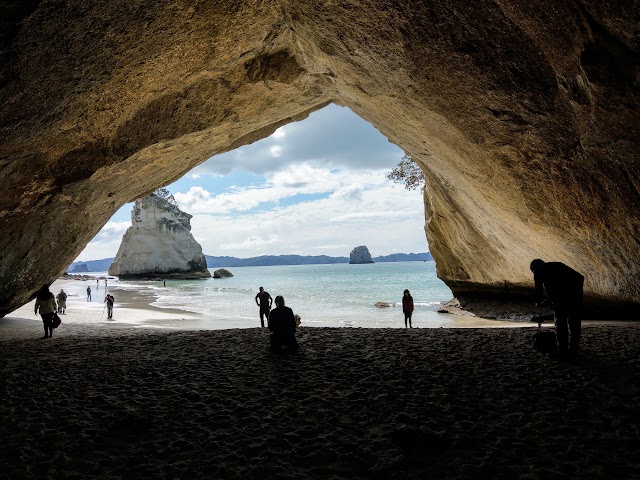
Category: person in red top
[407,307]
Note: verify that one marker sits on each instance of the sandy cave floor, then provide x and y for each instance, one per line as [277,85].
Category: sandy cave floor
[97,402]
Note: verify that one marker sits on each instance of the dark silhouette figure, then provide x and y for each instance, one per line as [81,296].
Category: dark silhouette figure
[109,301]
[407,307]
[282,324]
[564,287]
[46,303]
[88,294]
[264,301]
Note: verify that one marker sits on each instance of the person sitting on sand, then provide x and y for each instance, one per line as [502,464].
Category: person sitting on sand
[62,301]
[109,299]
[264,301]
[564,287]
[282,324]
[46,303]
[407,307]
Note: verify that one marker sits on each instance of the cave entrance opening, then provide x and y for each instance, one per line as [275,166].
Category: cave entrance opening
[309,193]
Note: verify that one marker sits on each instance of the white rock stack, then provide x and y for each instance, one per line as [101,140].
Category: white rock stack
[159,244]
[360,255]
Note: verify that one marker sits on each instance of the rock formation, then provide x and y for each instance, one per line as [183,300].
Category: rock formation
[222,273]
[81,268]
[159,243]
[360,255]
[523,116]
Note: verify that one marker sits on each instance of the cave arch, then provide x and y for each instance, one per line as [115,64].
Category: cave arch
[525,154]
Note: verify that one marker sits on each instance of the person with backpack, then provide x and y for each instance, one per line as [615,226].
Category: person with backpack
[46,304]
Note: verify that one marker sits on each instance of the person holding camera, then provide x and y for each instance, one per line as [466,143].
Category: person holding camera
[564,288]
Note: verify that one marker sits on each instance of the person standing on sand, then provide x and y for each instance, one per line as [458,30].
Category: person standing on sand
[407,307]
[282,324]
[62,301]
[88,294]
[264,301]
[564,287]
[46,303]
[109,301]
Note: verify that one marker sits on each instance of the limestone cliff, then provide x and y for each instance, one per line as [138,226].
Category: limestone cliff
[524,116]
[159,243]
[360,255]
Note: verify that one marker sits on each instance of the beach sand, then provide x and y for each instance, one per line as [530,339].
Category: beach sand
[109,400]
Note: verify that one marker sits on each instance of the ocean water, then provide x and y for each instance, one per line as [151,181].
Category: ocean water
[339,295]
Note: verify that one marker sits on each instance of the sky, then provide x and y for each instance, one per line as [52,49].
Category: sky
[314,187]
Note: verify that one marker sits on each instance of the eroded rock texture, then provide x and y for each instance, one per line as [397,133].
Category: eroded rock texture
[524,116]
[159,243]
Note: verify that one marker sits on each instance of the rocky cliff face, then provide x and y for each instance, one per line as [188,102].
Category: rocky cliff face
[360,255]
[523,115]
[159,243]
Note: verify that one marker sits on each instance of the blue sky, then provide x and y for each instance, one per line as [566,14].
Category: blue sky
[314,187]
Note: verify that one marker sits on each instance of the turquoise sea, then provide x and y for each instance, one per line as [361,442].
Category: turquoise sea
[337,295]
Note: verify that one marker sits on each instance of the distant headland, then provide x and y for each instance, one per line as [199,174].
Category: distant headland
[263,261]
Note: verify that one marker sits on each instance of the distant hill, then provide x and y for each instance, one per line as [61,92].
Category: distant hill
[266,260]
[92,265]
[404,257]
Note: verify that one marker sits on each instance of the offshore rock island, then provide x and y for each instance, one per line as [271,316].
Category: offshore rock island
[360,255]
[522,115]
[159,244]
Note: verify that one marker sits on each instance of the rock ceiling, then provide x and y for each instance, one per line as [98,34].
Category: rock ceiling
[524,116]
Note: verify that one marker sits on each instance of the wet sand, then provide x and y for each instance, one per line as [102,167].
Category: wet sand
[109,401]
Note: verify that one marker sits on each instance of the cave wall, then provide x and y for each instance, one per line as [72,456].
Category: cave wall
[524,116]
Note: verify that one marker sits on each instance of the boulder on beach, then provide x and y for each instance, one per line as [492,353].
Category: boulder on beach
[222,273]
[360,255]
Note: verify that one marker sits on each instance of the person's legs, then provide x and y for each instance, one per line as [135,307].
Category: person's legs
[575,318]
[47,319]
[406,316]
[262,314]
[410,315]
[562,331]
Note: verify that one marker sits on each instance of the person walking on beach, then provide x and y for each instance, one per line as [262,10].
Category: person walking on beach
[109,301]
[264,301]
[88,294]
[564,288]
[62,301]
[46,303]
[407,307]
[282,326]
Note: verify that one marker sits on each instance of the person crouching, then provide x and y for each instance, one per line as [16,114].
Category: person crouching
[282,325]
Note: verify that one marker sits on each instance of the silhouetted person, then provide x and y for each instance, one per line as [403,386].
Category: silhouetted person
[88,294]
[264,301]
[282,324]
[62,302]
[563,286]
[46,303]
[407,307]
[109,301]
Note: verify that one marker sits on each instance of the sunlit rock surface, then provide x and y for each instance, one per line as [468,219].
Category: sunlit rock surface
[360,255]
[159,243]
[524,116]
